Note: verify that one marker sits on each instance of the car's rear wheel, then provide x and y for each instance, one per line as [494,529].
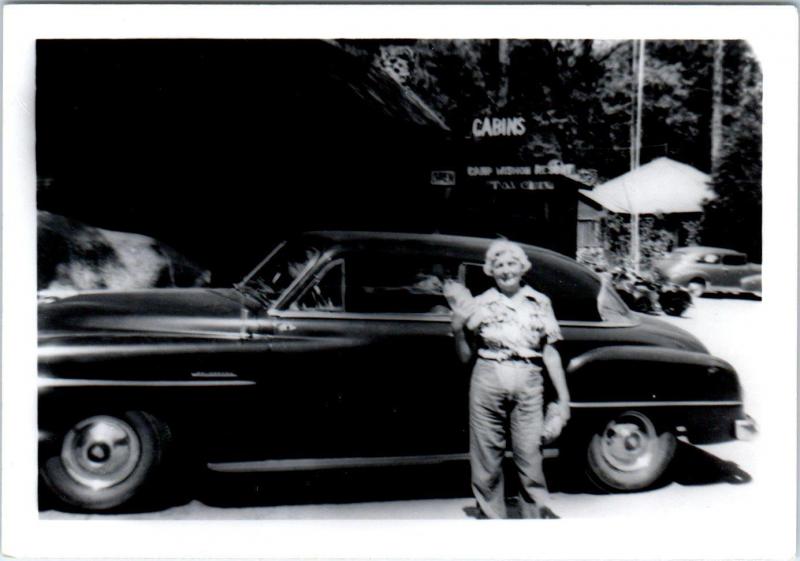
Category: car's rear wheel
[105,460]
[696,287]
[629,454]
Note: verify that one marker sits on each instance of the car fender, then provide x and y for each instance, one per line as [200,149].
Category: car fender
[642,376]
[683,278]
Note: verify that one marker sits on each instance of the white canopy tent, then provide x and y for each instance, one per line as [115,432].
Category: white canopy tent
[661,186]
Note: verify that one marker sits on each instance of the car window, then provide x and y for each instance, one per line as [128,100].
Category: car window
[326,293]
[709,259]
[734,259]
[398,283]
[573,298]
[279,270]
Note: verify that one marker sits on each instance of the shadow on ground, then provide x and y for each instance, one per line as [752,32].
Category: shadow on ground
[445,481]
[691,466]
[742,296]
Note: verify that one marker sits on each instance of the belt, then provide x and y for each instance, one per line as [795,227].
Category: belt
[533,361]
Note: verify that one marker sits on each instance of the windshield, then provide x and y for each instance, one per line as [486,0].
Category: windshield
[278,271]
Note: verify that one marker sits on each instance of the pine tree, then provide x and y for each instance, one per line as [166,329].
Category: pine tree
[734,218]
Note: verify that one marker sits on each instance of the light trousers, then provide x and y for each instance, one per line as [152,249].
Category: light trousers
[506,399]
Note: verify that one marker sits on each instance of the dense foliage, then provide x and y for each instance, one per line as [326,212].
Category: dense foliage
[578,99]
[734,218]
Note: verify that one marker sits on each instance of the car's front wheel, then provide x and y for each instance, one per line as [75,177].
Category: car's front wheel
[629,454]
[105,460]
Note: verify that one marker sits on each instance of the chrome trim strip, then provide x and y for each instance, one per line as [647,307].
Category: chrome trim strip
[576,363]
[307,464]
[214,375]
[604,324]
[699,403]
[81,382]
[745,429]
[440,318]
[314,314]
[222,336]
[54,352]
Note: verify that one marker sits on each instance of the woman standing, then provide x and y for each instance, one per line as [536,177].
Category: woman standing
[512,329]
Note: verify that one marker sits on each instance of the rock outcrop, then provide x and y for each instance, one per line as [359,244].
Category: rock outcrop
[75,256]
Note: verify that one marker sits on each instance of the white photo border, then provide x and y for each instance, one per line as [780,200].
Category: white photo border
[762,530]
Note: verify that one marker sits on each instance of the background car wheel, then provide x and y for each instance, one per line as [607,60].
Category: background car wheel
[105,460]
[675,303]
[629,454]
[696,287]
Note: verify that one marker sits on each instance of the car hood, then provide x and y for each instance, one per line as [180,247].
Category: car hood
[665,332]
[171,310]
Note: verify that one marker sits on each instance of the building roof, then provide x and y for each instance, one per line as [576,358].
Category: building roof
[662,186]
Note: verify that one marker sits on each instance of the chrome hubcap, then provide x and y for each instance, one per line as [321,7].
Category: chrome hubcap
[696,288]
[629,442]
[100,451]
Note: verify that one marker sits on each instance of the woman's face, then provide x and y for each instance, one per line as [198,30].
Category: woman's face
[507,272]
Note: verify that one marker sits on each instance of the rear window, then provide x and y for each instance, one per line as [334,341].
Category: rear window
[398,283]
[735,259]
[573,297]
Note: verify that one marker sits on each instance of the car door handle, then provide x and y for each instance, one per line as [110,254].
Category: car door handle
[285,326]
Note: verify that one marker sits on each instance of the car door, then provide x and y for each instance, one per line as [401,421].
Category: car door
[710,267]
[369,334]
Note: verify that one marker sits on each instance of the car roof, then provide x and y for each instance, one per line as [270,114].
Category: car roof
[464,244]
[706,249]
[461,247]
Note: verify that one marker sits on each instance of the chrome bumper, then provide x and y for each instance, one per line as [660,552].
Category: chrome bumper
[745,429]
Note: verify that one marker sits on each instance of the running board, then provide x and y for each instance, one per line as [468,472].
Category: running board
[308,464]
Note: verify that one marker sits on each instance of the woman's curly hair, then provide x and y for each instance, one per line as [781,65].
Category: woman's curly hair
[500,247]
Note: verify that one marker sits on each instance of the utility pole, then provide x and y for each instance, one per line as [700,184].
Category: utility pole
[503,59]
[636,160]
[716,105]
[632,131]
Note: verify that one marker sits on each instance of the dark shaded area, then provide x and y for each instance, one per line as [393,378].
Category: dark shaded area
[218,148]
[691,466]
[694,466]
[735,218]
[742,296]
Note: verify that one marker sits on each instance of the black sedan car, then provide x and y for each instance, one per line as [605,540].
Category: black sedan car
[336,352]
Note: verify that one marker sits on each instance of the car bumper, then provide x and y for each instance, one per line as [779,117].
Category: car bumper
[745,429]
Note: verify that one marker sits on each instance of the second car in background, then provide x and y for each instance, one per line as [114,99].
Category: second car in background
[710,270]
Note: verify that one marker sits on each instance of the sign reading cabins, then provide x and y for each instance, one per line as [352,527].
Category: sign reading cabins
[498,126]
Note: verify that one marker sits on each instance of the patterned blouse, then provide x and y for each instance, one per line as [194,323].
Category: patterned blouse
[516,327]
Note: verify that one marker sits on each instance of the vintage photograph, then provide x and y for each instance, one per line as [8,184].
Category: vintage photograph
[273,273]
[395,279]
